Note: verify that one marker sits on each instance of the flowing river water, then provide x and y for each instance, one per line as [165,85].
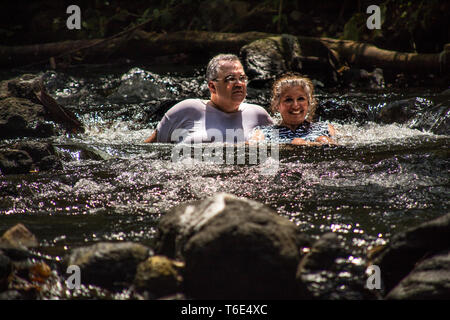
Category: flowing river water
[380,179]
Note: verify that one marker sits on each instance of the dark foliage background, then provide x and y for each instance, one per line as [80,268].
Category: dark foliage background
[411,26]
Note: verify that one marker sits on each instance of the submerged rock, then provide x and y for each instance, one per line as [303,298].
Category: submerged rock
[108,265]
[233,248]
[341,111]
[418,113]
[81,151]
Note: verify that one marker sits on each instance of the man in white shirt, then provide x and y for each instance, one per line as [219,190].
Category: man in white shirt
[223,118]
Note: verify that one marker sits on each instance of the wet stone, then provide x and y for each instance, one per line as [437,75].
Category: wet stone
[22,118]
[323,253]
[159,276]
[264,59]
[429,280]
[25,86]
[43,154]
[18,237]
[233,248]
[406,249]
[108,265]
[5,270]
[13,161]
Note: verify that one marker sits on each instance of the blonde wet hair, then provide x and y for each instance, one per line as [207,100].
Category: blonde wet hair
[289,81]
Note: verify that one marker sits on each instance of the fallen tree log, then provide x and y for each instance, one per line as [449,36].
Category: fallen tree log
[366,55]
[141,44]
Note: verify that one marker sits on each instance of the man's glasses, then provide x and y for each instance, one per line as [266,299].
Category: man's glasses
[233,79]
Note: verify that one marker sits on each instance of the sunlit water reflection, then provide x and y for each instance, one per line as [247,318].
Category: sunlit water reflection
[379,180]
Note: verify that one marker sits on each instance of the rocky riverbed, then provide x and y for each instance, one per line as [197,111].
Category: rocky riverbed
[324,227]
[225,247]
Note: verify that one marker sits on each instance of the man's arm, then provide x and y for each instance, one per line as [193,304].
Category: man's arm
[152,138]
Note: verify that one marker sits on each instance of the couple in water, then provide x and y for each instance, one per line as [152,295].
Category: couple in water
[226,118]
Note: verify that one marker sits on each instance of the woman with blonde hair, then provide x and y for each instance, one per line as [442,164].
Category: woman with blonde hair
[293,98]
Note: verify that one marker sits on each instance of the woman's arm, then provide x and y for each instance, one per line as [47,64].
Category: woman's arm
[318,142]
[325,140]
[303,142]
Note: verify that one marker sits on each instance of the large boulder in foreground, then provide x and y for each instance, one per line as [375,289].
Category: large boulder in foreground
[233,248]
[408,248]
[429,280]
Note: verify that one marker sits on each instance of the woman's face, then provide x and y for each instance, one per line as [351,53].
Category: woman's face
[293,106]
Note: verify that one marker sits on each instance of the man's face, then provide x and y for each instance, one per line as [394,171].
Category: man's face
[230,88]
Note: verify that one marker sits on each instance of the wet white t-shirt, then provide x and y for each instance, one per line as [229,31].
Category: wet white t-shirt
[196,120]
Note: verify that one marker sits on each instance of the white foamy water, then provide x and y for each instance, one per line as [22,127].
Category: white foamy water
[374,133]
[121,132]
